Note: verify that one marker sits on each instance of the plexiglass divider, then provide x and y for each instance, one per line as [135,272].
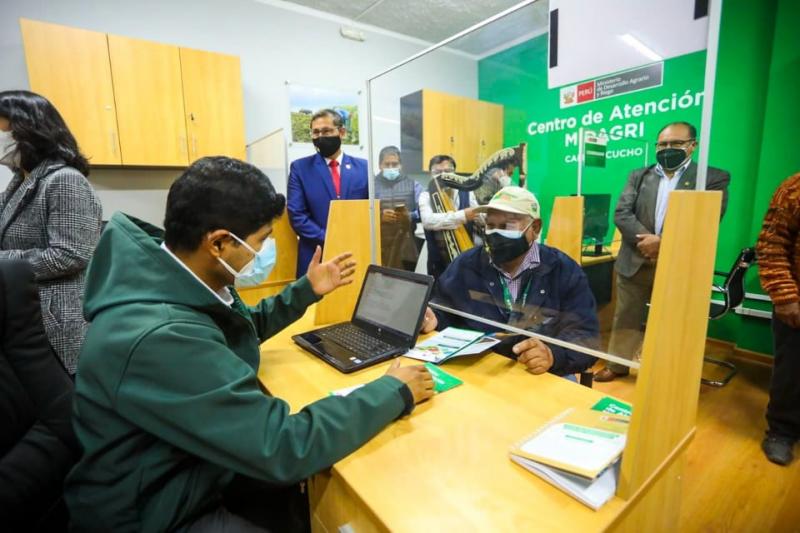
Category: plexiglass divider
[614,119]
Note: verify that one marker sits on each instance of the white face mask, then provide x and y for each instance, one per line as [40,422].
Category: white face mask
[9,156]
[510,233]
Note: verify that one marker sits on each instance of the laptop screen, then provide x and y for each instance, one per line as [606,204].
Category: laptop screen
[392,302]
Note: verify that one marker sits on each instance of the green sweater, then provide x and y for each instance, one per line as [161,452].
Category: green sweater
[168,406]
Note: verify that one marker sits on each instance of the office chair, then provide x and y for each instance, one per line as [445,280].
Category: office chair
[732,290]
[37,444]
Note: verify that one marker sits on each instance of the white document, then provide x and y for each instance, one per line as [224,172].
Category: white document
[345,391]
[592,493]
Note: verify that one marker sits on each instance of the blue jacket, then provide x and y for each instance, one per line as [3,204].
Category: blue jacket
[309,193]
[559,292]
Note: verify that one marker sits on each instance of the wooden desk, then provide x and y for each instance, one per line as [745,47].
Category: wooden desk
[616,244]
[446,467]
[589,260]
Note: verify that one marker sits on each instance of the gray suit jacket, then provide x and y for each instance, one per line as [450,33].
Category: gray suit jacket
[636,208]
[52,220]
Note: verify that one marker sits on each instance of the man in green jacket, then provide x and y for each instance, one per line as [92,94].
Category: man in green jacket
[168,407]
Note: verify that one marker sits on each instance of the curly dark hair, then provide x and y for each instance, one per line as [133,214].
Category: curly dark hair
[219,193]
[40,131]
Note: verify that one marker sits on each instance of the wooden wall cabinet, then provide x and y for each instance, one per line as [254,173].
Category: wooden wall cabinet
[149,94]
[71,68]
[212,96]
[135,102]
[433,123]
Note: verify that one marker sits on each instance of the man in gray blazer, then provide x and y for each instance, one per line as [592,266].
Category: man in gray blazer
[640,214]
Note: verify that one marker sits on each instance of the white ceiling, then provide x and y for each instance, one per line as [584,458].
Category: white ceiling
[435,20]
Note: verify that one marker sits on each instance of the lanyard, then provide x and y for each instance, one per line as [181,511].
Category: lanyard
[507,294]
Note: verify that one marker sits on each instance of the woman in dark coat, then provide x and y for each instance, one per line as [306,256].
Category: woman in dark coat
[50,216]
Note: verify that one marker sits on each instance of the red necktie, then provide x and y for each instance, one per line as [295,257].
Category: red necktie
[337,179]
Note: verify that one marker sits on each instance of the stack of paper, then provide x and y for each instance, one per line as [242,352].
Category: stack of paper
[450,343]
[577,452]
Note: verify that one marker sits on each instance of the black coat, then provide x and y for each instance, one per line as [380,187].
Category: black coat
[37,445]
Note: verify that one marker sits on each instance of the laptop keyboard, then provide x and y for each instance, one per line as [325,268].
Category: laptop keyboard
[355,339]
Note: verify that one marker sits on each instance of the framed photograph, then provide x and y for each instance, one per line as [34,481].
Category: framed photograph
[305,101]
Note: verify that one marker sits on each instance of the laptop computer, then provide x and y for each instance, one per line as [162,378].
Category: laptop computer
[385,323]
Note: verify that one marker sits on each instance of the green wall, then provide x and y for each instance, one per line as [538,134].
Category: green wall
[760,59]
[517,78]
[756,114]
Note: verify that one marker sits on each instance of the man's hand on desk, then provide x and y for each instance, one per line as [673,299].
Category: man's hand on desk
[327,276]
[430,321]
[535,355]
[648,245]
[416,377]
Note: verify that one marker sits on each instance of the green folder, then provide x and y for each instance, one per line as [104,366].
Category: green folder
[608,404]
[442,381]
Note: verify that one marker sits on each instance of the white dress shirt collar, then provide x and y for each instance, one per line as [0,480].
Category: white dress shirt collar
[338,159]
[224,295]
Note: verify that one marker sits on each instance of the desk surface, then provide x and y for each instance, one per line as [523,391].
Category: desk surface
[589,260]
[446,467]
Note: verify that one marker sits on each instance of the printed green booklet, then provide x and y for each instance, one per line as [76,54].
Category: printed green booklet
[607,404]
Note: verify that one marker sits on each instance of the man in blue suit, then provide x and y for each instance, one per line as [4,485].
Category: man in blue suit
[317,179]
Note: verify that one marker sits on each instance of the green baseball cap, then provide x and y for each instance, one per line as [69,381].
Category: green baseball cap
[513,200]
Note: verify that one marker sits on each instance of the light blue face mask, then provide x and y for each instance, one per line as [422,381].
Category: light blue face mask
[391,173]
[259,268]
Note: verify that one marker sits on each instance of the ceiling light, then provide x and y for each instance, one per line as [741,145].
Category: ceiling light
[352,33]
[640,47]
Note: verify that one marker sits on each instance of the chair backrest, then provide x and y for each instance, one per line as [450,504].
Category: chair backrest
[734,281]
[37,443]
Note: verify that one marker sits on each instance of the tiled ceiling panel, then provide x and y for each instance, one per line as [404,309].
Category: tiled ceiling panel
[435,20]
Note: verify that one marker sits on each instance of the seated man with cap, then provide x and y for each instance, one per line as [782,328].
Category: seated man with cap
[514,280]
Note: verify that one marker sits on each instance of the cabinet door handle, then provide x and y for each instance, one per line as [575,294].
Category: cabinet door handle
[194,145]
[113,136]
[182,142]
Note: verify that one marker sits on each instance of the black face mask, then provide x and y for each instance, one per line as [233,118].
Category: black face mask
[328,146]
[504,249]
[671,158]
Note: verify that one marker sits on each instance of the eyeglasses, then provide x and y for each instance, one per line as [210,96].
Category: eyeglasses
[674,144]
[324,132]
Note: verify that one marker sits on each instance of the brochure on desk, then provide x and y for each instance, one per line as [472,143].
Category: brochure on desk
[578,452]
[450,343]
